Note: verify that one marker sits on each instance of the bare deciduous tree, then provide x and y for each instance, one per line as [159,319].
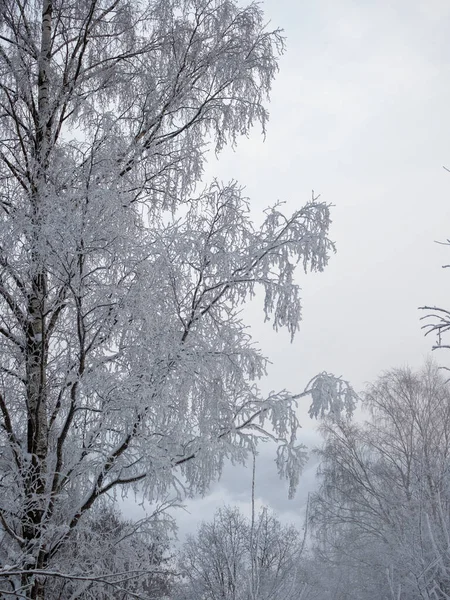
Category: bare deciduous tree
[225,561]
[382,512]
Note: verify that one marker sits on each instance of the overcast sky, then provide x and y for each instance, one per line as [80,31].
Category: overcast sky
[359,113]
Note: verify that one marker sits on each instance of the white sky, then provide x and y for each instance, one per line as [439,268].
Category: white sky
[359,113]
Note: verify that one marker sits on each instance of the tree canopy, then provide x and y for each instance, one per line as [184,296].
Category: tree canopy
[124,360]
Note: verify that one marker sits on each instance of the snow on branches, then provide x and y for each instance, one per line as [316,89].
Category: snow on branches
[123,356]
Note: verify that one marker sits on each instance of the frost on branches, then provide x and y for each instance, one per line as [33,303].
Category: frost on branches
[124,362]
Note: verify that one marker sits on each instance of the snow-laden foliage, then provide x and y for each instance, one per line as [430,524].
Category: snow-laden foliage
[331,396]
[117,558]
[124,361]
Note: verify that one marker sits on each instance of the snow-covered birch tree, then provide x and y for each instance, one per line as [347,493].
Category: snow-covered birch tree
[124,362]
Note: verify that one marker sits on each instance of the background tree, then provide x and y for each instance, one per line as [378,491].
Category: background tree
[122,353]
[382,512]
[224,560]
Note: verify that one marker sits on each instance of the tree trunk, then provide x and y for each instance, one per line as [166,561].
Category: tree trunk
[36,354]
